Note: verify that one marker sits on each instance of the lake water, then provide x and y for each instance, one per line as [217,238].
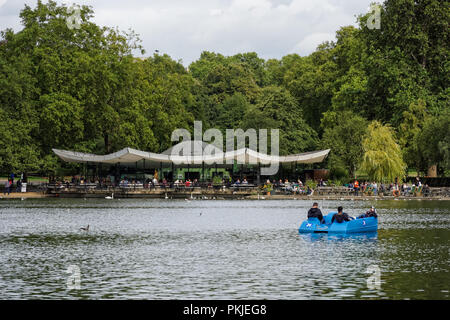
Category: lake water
[219,249]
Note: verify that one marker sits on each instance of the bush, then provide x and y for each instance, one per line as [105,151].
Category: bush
[339,173]
[267,187]
[217,181]
[311,184]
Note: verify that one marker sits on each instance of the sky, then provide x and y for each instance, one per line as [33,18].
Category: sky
[185,28]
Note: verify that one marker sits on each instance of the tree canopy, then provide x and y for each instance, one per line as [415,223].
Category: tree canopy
[84,89]
[382,158]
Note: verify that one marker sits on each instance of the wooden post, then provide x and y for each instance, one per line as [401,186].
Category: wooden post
[120,176]
[258,174]
[432,171]
[203,171]
[295,169]
[143,171]
[173,173]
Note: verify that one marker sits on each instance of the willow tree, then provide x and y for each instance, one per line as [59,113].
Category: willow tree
[382,159]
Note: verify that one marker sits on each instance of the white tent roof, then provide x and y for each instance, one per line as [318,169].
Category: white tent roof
[177,154]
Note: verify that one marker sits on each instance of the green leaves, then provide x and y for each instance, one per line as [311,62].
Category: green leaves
[382,159]
[433,142]
[277,109]
[61,122]
[82,89]
[343,134]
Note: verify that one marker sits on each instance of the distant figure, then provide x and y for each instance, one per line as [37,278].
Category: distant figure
[418,183]
[340,216]
[375,188]
[395,190]
[356,187]
[426,190]
[7,187]
[85,229]
[315,212]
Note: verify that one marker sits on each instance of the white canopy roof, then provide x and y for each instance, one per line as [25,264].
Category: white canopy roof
[191,152]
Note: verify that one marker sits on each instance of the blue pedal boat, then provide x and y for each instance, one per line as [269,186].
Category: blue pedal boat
[313,225]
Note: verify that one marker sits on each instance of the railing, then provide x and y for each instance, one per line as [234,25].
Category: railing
[278,189]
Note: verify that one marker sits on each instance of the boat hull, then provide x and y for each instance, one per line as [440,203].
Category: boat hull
[362,225]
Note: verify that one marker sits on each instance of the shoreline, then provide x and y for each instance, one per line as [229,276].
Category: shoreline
[206,196]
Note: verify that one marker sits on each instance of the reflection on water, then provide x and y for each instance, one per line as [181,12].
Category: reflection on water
[363,237]
[160,249]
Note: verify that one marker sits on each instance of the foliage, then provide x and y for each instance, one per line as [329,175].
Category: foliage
[434,141]
[410,128]
[268,187]
[276,108]
[217,180]
[343,134]
[83,89]
[338,172]
[311,184]
[382,158]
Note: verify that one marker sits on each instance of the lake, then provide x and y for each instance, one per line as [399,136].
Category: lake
[219,249]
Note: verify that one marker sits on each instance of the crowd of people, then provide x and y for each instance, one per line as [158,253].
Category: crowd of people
[9,185]
[395,189]
[284,186]
[290,187]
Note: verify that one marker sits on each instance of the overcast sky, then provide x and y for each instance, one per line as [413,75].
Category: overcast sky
[185,28]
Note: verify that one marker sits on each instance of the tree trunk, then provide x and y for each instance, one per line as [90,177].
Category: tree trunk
[432,171]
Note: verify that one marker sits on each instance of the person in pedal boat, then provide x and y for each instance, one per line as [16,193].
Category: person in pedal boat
[315,212]
[371,213]
[340,216]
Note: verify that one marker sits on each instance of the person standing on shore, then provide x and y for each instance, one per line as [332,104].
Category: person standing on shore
[7,187]
[418,183]
[356,187]
[395,190]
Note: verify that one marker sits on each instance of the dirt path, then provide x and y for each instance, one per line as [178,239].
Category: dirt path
[25,195]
